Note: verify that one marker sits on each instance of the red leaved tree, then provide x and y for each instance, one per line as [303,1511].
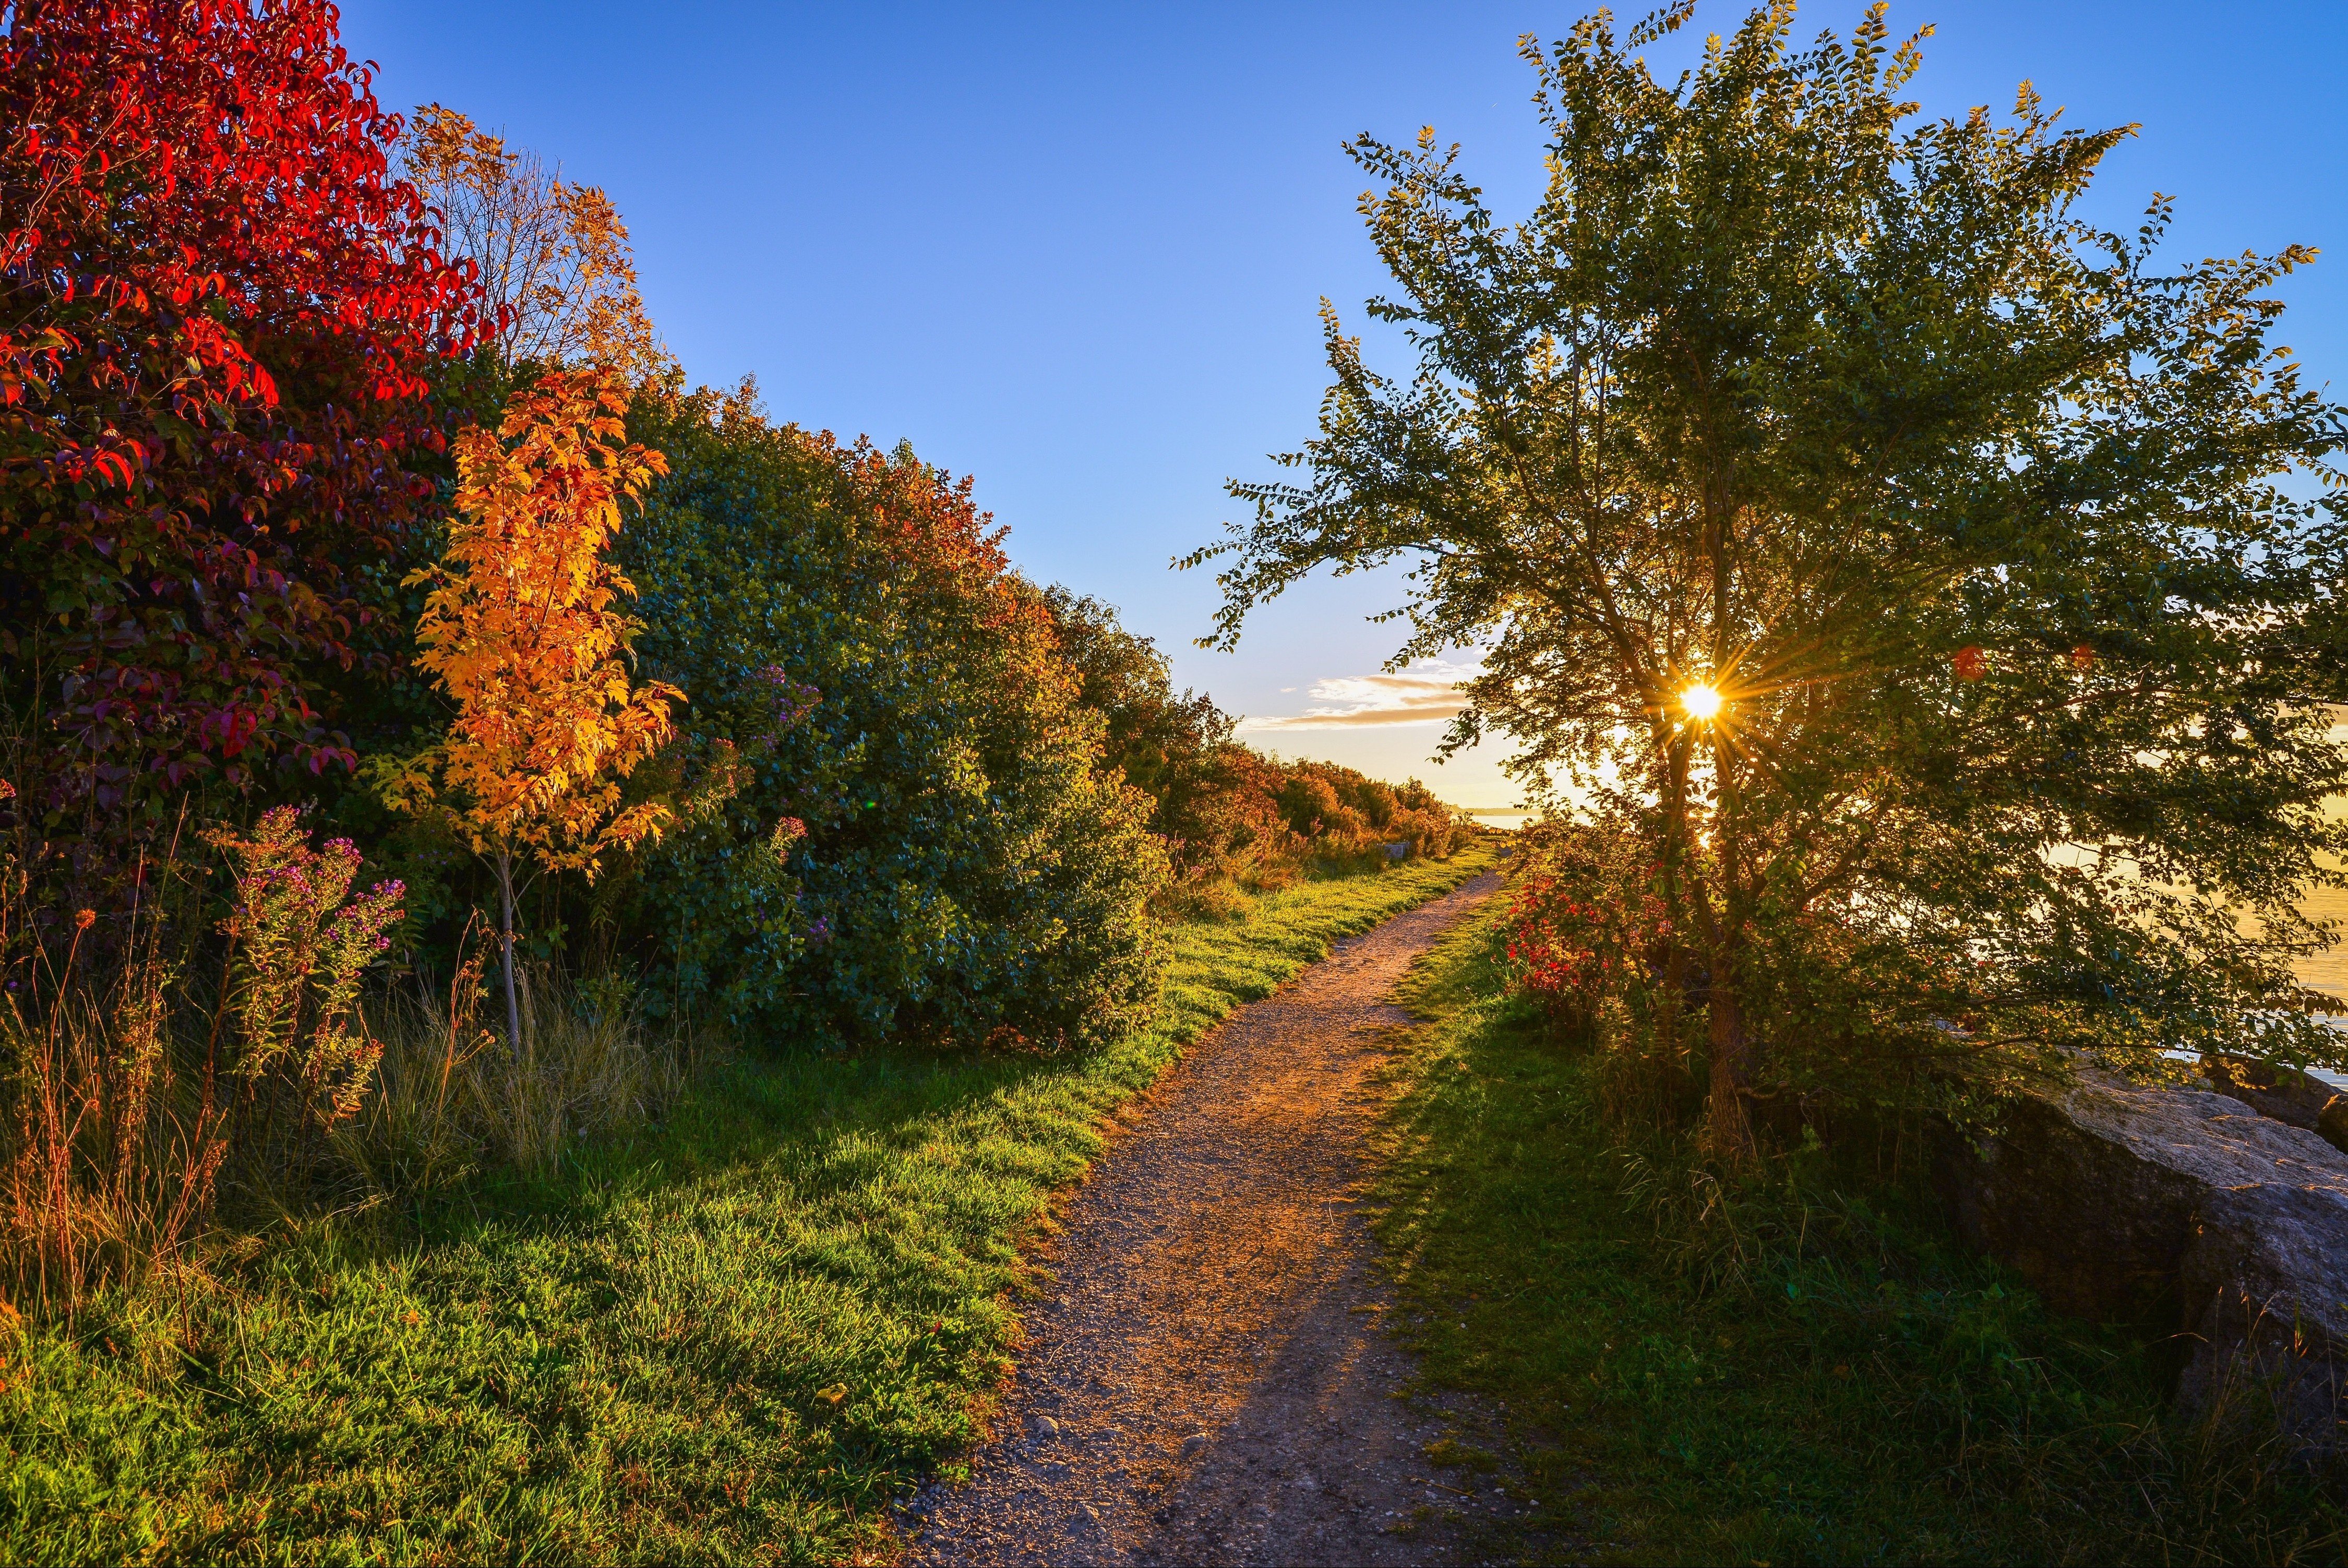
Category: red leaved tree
[217,313]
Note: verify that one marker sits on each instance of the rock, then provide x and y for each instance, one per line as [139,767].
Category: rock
[2286,1094]
[2332,1125]
[1046,1429]
[2173,1207]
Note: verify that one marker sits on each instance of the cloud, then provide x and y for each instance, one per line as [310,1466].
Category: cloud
[1426,693]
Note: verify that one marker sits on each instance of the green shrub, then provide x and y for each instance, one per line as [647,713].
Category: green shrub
[864,668]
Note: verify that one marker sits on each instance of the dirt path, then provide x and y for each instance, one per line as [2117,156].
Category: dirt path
[1206,1380]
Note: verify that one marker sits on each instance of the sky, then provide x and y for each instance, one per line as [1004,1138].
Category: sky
[1075,250]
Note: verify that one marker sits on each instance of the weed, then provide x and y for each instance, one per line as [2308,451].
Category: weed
[133,1093]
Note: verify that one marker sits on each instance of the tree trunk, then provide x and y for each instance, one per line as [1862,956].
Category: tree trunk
[1676,906]
[1728,1131]
[505,897]
[1673,1006]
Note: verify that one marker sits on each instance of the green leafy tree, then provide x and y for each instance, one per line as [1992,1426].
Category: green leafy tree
[1907,564]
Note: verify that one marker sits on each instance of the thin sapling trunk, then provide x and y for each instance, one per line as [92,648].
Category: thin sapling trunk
[505,950]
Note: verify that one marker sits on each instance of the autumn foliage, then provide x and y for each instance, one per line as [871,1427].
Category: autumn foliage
[219,319]
[317,430]
[523,632]
[551,255]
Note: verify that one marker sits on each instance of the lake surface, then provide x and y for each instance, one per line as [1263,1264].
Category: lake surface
[2328,971]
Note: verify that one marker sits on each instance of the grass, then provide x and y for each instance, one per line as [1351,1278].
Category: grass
[1813,1373]
[731,1338]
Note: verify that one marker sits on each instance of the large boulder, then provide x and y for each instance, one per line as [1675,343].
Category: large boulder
[2284,1093]
[2157,1205]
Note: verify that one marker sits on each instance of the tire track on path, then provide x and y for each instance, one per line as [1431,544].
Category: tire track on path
[1206,1378]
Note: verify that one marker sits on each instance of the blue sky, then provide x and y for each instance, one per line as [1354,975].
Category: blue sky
[1075,250]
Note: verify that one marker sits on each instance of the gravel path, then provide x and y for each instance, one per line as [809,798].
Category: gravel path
[1206,1380]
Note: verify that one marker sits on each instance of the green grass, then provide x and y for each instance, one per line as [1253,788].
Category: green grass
[1815,1374]
[733,1339]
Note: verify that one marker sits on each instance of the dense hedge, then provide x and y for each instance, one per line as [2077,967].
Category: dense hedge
[864,669]
[1216,805]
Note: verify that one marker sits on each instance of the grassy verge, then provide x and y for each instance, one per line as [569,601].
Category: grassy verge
[733,1339]
[1795,1376]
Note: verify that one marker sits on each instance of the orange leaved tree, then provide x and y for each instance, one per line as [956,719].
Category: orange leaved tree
[522,630]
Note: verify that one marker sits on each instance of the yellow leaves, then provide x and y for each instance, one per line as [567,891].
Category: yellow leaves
[404,784]
[520,629]
[446,147]
[552,256]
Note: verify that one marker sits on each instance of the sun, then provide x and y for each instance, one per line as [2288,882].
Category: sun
[1700,701]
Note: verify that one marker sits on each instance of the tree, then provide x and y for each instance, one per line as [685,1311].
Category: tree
[218,317]
[1903,561]
[555,266]
[522,630]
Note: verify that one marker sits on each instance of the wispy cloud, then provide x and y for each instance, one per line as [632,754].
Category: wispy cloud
[1426,693]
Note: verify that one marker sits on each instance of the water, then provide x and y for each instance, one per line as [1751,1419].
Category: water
[2328,971]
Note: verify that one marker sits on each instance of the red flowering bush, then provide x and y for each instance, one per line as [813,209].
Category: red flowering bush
[1586,923]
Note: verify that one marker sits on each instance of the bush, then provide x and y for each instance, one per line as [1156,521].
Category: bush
[868,678]
[1170,748]
[1863,1020]
[1222,809]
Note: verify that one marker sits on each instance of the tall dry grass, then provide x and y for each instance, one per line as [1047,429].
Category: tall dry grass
[130,1088]
[453,1101]
[109,1168]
